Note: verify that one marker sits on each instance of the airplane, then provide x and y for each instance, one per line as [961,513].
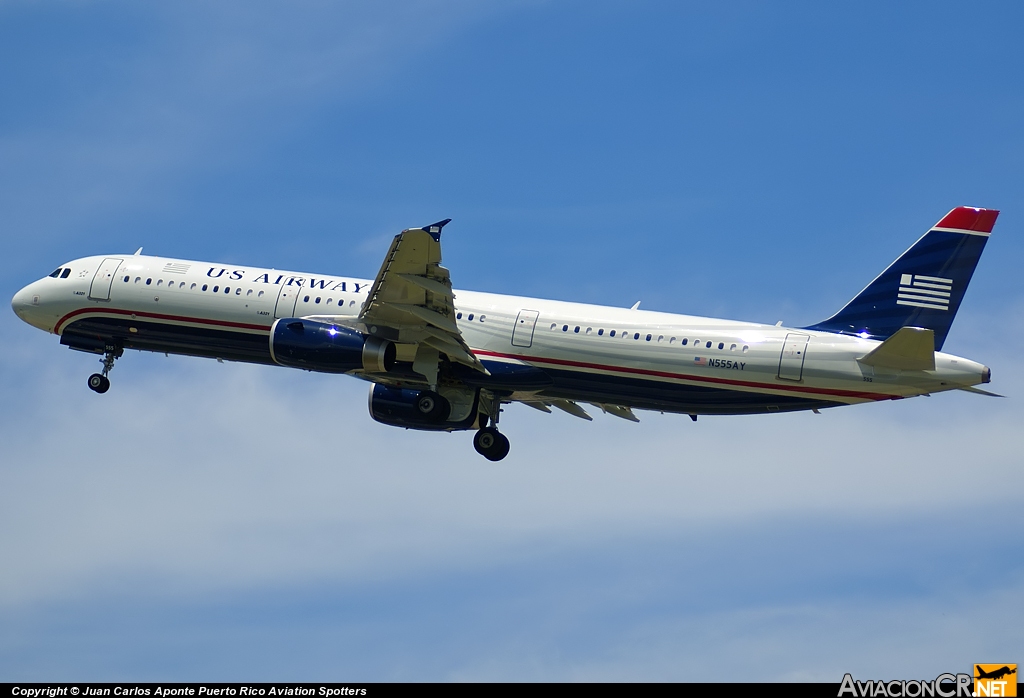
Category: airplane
[995,674]
[441,360]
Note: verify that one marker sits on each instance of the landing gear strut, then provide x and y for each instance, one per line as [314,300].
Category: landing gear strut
[98,382]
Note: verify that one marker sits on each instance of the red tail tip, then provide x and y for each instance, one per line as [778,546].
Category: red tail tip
[980,220]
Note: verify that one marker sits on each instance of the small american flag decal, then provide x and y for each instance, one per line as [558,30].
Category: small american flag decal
[700,361]
[924,291]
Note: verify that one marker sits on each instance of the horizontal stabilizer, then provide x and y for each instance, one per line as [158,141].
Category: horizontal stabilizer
[979,391]
[909,348]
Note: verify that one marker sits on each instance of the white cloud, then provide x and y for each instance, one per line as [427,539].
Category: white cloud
[202,476]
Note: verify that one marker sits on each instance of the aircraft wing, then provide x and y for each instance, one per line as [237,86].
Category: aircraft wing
[411,300]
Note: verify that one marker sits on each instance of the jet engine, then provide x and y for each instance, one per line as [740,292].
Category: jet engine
[448,410]
[320,346]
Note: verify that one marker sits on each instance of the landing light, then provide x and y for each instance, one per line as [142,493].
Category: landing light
[333,331]
[863,334]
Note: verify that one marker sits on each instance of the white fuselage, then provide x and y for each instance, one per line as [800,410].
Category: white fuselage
[598,354]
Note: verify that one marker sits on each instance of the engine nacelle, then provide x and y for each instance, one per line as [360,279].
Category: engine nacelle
[397,407]
[319,346]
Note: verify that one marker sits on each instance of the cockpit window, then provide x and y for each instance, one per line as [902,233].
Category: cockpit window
[56,273]
[66,273]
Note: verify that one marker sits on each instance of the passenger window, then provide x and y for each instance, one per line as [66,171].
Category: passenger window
[216,288]
[577,330]
[126,279]
[470,317]
[672,340]
[648,338]
[600,332]
[192,287]
[138,279]
[317,300]
[612,333]
[159,282]
[149,281]
[661,337]
[732,348]
[589,330]
[351,303]
[696,342]
[745,347]
[205,287]
[248,293]
[458,316]
[685,340]
[554,325]
[721,345]
[306,299]
[709,345]
[565,328]
[482,318]
[238,291]
[260,294]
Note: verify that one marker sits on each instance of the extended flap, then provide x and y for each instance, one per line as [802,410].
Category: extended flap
[910,348]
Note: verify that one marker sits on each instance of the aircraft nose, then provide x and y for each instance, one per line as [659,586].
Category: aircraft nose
[23,302]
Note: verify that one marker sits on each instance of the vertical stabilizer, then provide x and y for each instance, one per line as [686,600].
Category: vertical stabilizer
[924,287]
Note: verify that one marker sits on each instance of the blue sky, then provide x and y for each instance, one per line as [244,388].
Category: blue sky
[751,161]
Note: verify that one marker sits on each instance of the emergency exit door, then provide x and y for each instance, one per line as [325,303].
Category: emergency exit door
[522,333]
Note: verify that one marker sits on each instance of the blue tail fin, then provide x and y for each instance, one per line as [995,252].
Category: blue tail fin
[924,287]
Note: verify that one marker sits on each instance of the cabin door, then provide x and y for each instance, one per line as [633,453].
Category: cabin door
[794,351]
[522,333]
[286,300]
[100,288]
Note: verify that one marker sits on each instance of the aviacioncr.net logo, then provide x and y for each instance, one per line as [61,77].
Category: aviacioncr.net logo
[943,686]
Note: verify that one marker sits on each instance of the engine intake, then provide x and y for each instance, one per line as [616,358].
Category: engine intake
[319,346]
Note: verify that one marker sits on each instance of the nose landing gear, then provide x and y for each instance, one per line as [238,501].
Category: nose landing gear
[98,382]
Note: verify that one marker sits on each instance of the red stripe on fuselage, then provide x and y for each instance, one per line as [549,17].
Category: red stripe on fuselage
[684,376]
[158,316]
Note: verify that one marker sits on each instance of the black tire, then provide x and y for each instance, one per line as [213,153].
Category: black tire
[491,444]
[99,383]
[433,406]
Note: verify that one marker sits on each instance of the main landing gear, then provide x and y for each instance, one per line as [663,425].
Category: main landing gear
[98,382]
[433,406]
[491,444]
